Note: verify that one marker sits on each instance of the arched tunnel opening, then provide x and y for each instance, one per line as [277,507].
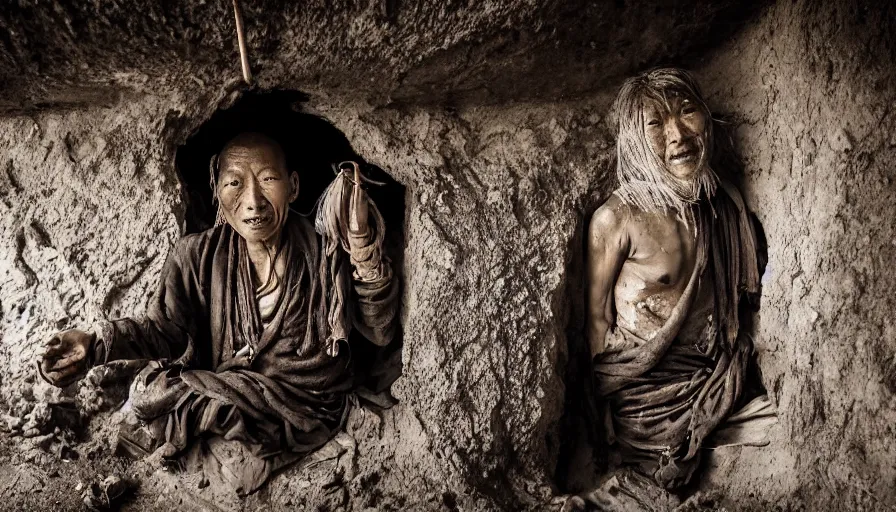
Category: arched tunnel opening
[313,147]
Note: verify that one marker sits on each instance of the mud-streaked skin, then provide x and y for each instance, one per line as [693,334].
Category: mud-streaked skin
[639,262]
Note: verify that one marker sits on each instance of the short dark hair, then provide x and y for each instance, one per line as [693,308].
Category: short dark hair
[251,139]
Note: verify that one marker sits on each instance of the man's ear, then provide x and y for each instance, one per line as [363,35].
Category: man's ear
[294,182]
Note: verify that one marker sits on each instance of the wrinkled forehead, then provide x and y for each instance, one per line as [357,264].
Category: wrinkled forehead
[252,153]
[665,101]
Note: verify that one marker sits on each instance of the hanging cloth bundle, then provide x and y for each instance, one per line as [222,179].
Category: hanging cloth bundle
[333,224]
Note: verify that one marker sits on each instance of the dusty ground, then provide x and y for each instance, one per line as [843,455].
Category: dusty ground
[493,118]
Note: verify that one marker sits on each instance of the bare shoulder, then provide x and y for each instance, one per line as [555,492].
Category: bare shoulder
[610,219]
[609,228]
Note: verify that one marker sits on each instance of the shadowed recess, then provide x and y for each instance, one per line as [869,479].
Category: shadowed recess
[312,146]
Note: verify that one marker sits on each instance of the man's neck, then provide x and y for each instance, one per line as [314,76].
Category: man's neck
[261,256]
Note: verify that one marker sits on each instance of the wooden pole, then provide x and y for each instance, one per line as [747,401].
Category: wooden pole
[241,39]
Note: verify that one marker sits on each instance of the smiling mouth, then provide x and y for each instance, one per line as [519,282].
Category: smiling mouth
[256,222]
[682,157]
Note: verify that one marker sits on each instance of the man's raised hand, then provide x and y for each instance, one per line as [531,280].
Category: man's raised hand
[357,207]
[65,358]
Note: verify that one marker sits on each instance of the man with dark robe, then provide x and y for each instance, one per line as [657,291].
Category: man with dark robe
[672,265]
[247,334]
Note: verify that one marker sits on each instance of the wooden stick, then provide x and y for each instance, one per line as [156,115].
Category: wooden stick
[241,39]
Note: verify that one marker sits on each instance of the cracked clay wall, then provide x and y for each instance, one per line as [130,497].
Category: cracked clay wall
[812,90]
[494,214]
[91,206]
[88,211]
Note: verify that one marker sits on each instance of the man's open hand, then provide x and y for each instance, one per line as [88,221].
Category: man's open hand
[65,359]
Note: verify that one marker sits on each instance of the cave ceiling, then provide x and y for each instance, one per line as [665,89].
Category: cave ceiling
[72,53]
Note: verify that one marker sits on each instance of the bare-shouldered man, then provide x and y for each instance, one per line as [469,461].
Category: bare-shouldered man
[670,256]
[639,264]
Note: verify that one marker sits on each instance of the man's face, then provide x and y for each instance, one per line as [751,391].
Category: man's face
[255,189]
[676,135]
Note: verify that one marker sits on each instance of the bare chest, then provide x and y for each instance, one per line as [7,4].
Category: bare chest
[654,276]
[662,256]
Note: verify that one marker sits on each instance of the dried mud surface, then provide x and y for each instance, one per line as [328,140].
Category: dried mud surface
[814,95]
[493,118]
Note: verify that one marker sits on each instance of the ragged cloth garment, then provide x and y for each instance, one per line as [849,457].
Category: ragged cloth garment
[667,395]
[284,396]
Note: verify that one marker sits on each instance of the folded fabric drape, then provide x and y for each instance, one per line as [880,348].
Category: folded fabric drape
[666,395]
[284,396]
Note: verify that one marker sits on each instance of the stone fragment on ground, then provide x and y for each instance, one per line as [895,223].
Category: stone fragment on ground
[108,494]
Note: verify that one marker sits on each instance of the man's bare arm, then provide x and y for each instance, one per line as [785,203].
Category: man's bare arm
[162,333]
[607,249]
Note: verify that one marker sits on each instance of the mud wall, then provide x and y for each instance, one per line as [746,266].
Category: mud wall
[813,92]
[494,205]
[501,170]
[88,211]
[493,217]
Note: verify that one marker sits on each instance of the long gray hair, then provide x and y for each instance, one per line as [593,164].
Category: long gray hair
[644,180]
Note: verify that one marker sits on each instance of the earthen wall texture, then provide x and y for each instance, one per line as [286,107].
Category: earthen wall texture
[812,87]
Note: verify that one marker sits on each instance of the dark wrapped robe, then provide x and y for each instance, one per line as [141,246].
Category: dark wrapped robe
[220,369]
[668,395]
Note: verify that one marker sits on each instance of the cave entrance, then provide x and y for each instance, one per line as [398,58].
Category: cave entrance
[312,147]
